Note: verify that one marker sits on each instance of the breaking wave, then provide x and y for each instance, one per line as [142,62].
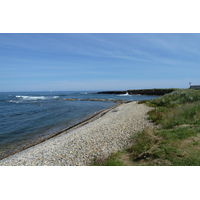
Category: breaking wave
[123,95]
[14,101]
[36,97]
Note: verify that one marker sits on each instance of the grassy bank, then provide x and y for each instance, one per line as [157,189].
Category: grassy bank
[177,140]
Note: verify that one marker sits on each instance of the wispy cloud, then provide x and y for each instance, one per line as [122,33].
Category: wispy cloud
[86,58]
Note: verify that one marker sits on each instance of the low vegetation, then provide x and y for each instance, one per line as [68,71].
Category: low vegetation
[112,160]
[177,140]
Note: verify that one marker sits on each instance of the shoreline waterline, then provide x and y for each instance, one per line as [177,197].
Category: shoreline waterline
[83,122]
[101,134]
[27,118]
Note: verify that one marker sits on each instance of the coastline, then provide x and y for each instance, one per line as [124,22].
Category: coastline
[155,91]
[103,133]
[37,141]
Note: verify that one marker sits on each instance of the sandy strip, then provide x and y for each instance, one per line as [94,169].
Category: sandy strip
[109,131]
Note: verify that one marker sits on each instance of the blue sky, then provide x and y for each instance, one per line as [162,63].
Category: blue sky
[44,62]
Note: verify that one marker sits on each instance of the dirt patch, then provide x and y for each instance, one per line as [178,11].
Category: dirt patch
[126,159]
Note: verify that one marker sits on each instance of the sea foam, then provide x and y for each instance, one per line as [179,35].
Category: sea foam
[36,97]
[122,95]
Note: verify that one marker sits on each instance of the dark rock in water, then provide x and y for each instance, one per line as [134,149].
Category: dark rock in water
[73,99]
[105,100]
[94,99]
[112,92]
[142,92]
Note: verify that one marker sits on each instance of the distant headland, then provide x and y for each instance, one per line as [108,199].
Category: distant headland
[158,92]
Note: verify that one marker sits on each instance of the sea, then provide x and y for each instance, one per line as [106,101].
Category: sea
[27,118]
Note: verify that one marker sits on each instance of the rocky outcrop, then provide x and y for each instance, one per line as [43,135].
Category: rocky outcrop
[107,100]
[73,99]
[111,92]
[151,91]
[142,92]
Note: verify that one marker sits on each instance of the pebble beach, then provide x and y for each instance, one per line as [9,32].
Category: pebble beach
[107,132]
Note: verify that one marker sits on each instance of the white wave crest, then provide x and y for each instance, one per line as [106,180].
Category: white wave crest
[14,101]
[31,97]
[36,97]
[122,95]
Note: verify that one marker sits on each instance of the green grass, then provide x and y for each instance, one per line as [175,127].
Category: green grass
[168,147]
[187,113]
[176,108]
[175,98]
[177,141]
